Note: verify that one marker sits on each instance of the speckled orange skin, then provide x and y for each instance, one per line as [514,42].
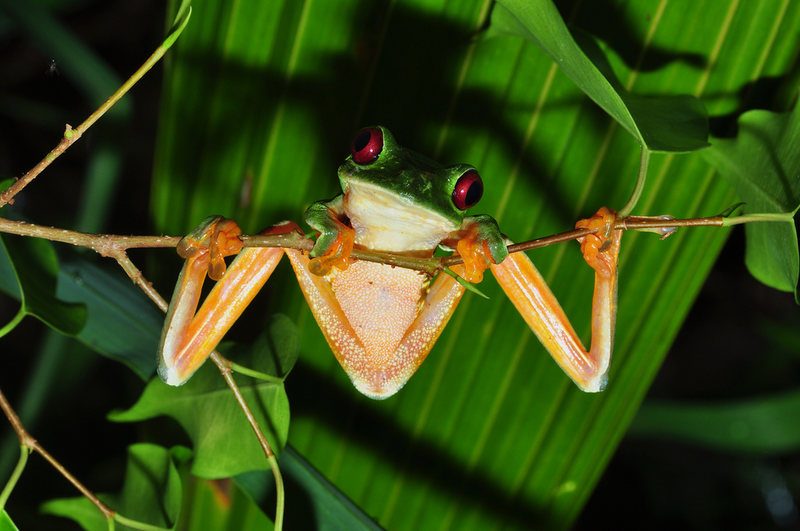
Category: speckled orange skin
[380,321]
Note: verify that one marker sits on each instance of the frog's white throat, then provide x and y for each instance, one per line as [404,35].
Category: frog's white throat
[386,222]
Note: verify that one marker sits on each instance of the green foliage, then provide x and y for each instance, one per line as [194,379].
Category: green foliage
[763,425]
[763,165]
[152,491]
[122,323]
[224,443]
[673,123]
[34,265]
[6,524]
[103,310]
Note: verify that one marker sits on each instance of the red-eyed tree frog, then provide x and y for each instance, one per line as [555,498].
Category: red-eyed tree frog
[379,320]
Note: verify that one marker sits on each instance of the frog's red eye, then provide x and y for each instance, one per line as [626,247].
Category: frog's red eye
[468,190]
[367,145]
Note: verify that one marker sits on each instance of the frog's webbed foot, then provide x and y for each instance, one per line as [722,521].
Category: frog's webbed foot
[481,246]
[601,248]
[475,255]
[209,244]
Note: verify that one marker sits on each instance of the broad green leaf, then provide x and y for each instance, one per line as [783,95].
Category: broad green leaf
[34,264]
[763,425]
[122,323]
[312,501]
[6,524]
[674,123]
[221,504]
[78,509]
[763,164]
[259,106]
[151,492]
[224,443]
[276,350]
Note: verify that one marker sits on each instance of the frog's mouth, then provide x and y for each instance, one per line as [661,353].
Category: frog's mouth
[388,222]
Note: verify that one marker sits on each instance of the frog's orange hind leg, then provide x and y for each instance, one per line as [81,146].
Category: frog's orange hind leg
[188,339]
[526,288]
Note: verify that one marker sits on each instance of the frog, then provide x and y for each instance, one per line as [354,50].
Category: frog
[381,321]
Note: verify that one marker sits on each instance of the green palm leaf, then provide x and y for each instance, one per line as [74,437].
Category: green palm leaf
[260,101]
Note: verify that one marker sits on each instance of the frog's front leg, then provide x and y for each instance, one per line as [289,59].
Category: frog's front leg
[335,241]
[528,291]
[188,338]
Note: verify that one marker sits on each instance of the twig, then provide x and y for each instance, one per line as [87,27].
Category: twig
[224,366]
[105,244]
[135,274]
[27,441]
[114,246]
[72,135]
[629,223]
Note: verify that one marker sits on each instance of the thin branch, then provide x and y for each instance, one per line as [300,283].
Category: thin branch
[224,366]
[29,442]
[647,224]
[114,246]
[138,278]
[72,135]
[105,244]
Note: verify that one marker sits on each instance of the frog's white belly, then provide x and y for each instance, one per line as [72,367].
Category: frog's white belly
[386,222]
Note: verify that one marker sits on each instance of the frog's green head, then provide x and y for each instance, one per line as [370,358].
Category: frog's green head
[378,163]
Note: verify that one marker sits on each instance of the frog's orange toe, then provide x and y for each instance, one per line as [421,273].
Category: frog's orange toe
[475,254]
[217,237]
[337,255]
[595,247]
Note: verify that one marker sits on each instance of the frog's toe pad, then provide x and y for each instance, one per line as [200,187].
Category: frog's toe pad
[595,246]
[216,238]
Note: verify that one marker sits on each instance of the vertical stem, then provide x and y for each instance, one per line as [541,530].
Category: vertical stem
[644,162]
[225,369]
[12,481]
